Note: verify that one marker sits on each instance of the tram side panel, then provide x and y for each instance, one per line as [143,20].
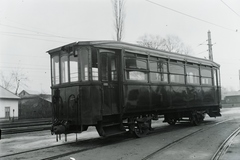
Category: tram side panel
[208,96]
[160,97]
[136,98]
[140,98]
[90,104]
[76,106]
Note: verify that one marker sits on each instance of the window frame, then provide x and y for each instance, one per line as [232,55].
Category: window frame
[64,54]
[204,77]
[175,74]
[53,69]
[69,57]
[137,57]
[157,72]
[194,77]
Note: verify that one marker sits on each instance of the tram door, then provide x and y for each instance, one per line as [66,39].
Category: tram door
[110,80]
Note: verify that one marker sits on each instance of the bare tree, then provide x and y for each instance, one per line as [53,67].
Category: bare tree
[119,17]
[151,41]
[170,43]
[14,80]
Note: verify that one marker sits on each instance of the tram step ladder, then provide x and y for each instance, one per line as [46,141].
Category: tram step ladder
[113,129]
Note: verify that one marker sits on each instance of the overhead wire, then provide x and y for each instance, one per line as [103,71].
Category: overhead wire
[38,32]
[36,38]
[202,43]
[157,4]
[35,56]
[230,8]
[200,52]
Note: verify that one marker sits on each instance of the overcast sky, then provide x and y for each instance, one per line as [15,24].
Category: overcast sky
[29,28]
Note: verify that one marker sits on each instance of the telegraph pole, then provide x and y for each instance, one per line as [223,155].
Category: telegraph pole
[210,46]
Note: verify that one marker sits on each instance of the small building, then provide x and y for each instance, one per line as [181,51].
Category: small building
[8,104]
[34,105]
[231,101]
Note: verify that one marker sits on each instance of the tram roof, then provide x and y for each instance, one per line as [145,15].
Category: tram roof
[140,50]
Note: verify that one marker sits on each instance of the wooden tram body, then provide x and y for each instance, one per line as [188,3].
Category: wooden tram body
[117,86]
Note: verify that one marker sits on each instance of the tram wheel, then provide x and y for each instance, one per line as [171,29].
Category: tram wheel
[171,121]
[142,129]
[196,118]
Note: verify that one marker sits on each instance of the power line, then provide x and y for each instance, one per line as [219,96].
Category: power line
[230,8]
[190,16]
[26,68]
[38,32]
[25,34]
[24,64]
[24,55]
[202,43]
[35,38]
[200,52]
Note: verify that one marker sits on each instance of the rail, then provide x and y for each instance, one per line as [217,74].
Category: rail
[225,145]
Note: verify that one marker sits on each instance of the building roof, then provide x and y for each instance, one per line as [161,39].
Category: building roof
[6,94]
[30,92]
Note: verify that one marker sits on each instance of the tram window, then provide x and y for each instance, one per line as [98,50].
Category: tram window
[84,64]
[128,54]
[215,77]
[174,78]
[206,78]
[192,75]
[104,69]
[94,65]
[136,75]
[177,73]
[55,70]
[158,77]
[136,63]
[218,77]
[206,81]
[73,62]
[64,69]
[158,66]
[157,69]
[113,69]
[153,66]
[174,68]
[206,72]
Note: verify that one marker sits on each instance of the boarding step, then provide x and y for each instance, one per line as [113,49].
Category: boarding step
[214,114]
[107,130]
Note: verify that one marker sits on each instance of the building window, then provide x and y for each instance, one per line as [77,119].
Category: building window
[7,112]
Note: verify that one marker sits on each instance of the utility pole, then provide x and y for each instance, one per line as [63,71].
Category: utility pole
[239,79]
[210,46]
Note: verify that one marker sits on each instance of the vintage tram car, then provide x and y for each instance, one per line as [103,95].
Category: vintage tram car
[119,87]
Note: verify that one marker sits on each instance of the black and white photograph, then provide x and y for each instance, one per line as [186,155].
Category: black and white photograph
[119,80]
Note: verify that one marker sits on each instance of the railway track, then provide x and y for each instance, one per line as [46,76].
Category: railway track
[87,145]
[81,146]
[24,126]
[181,139]
[225,145]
